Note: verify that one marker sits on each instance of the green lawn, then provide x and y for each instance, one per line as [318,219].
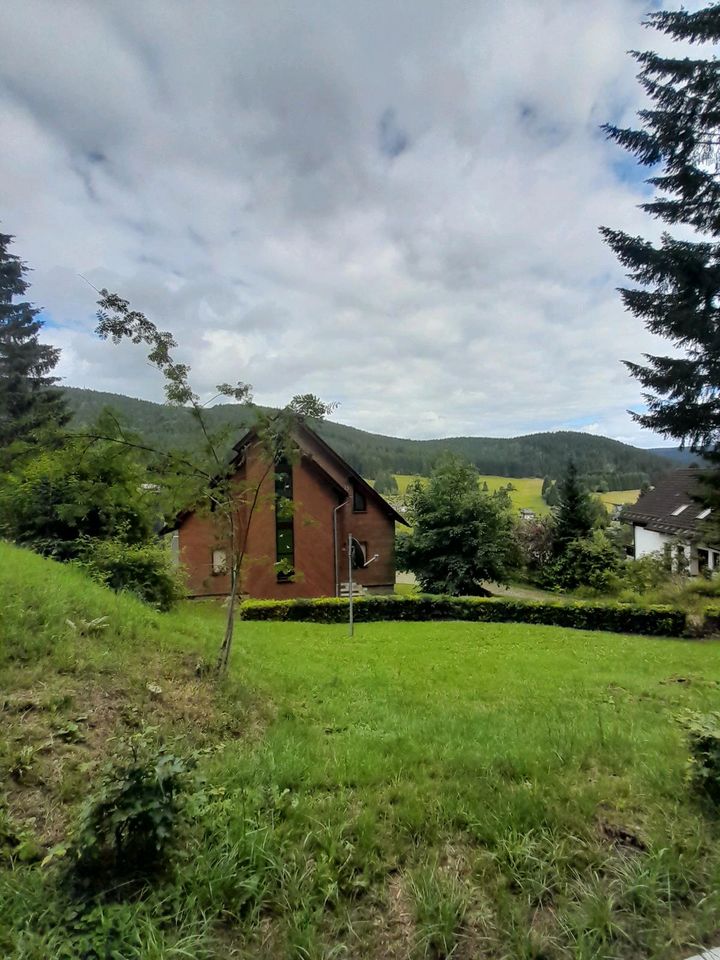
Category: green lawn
[449,789]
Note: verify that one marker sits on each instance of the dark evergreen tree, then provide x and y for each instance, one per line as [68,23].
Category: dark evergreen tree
[546,484]
[386,483]
[575,514]
[676,288]
[552,497]
[29,400]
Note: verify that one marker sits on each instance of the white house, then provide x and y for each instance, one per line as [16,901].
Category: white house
[670,519]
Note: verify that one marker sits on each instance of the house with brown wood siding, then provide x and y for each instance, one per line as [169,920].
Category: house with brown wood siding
[301,552]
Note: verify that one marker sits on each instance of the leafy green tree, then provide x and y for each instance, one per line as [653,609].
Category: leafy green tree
[575,514]
[676,282]
[86,490]
[29,400]
[386,483]
[460,536]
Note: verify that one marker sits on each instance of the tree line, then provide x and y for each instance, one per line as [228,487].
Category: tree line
[604,464]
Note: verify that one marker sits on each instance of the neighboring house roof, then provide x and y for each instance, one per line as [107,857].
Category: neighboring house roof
[672,506]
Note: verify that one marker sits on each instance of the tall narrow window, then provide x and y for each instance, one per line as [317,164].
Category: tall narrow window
[284,533]
[359,502]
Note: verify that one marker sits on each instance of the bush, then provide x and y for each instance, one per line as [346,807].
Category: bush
[589,562]
[146,570]
[704,742]
[615,617]
[82,491]
[127,828]
[534,543]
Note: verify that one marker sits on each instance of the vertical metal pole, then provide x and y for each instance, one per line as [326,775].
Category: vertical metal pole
[350,587]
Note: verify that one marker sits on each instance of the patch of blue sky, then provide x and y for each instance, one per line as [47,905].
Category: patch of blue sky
[628,170]
[393,140]
[49,321]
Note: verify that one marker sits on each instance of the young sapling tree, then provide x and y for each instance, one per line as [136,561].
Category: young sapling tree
[233,504]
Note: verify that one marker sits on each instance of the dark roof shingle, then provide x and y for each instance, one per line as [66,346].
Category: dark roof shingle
[672,506]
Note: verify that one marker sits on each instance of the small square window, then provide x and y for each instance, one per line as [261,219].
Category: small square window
[219,562]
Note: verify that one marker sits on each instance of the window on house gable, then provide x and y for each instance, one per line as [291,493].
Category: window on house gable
[359,501]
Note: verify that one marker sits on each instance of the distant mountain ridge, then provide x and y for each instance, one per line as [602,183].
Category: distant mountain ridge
[681,458]
[601,460]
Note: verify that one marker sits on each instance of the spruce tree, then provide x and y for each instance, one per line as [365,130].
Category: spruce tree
[676,282]
[29,400]
[552,497]
[574,519]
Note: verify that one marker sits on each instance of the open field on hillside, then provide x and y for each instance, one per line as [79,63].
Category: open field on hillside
[422,790]
[527,491]
[619,496]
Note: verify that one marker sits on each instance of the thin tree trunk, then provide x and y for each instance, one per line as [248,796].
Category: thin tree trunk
[237,559]
[224,654]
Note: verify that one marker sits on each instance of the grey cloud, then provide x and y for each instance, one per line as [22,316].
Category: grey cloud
[345,198]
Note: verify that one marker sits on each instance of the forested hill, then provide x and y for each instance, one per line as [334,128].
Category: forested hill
[621,466]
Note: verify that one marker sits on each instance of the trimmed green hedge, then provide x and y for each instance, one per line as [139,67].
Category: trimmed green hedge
[615,617]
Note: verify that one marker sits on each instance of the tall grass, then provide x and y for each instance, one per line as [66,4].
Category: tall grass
[437,790]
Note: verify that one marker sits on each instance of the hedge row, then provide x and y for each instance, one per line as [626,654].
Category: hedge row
[615,617]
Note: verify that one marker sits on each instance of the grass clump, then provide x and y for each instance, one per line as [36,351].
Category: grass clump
[704,742]
[440,904]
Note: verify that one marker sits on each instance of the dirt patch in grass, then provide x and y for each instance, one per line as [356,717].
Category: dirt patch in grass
[621,838]
[57,735]
[395,925]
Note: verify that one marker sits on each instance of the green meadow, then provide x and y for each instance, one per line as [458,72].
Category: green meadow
[527,492]
[420,790]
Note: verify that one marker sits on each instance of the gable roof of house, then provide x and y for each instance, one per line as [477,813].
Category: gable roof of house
[354,478]
[673,506]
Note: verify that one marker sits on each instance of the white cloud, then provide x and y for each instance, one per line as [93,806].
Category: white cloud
[393,205]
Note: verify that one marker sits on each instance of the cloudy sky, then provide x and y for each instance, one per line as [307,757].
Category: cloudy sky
[391,203]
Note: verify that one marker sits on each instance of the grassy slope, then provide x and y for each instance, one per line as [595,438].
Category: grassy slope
[515,790]
[527,491]
[619,496]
